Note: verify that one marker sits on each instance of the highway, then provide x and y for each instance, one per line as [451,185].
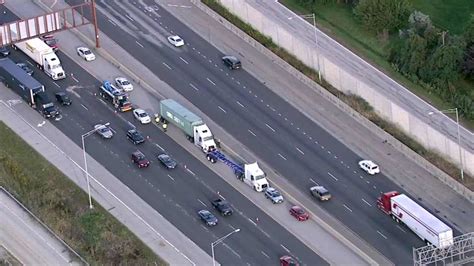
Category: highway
[177,194]
[292,144]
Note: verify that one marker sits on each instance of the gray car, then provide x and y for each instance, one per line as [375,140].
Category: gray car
[320,193]
[104,131]
[274,195]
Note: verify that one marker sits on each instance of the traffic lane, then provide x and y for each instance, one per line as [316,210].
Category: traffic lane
[179,86]
[78,107]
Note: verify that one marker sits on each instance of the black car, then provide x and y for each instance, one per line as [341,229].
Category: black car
[63,98]
[4,51]
[208,217]
[222,206]
[135,136]
[231,62]
[25,68]
[167,161]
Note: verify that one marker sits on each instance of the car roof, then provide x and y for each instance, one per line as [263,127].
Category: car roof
[232,58]
[319,188]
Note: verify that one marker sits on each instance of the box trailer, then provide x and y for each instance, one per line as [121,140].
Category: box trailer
[19,81]
[44,57]
[424,224]
[192,125]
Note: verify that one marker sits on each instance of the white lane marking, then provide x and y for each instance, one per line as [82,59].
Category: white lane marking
[347,207]
[252,221]
[270,127]
[300,150]
[131,19]
[361,177]
[233,251]
[185,6]
[171,177]
[240,104]
[366,202]
[211,81]
[184,60]
[75,79]
[285,248]
[166,65]
[401,229]
[140,44]
[332,176]
[250,131]
[111,22]
[381,234]
[282,157]
[191,172]
[202,203]
[222,109]
[54,82]
[264,254]
[313,181]
[194,87]
[157,145]
[84,106]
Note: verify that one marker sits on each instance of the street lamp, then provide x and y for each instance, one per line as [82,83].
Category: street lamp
[83,136]
[313,17]
[450,111]
[220,240]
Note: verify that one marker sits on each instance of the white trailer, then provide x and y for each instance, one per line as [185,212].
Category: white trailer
[44,57]
[420,221]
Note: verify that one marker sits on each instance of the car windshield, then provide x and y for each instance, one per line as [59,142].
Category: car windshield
[125,82]
[299,211]
[142,115]
[50,42]
[87,52]
[275,193]
[177,40]
[140,156]
[103,129]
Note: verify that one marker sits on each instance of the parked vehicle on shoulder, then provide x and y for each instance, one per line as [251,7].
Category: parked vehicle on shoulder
[142,116]
[135,136]
[320,192]
[124,84]
[370,167]
[139,159]
[25,68]
[86,53]
[222,206]
[50,41]
[299,213]
[208,218]
[104,131]
[167,161]
[176,40]
[63,98]
[288,261]
[232,62]
[274,195]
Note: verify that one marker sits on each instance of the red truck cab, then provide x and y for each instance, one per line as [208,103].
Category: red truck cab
[383,202]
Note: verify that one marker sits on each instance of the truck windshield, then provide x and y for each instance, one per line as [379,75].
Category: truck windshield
[58,66]
[208,138]
[48,105]
[259,177]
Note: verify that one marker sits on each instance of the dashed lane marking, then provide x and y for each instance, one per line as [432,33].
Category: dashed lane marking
[367,202]
[111,22]
[313,181]
[161,148]
[332,176]
[171,177]
[240,104]
[194,87]
[222,109]
[381,234]
[250,131]
[166,65]
[300,151]
[283,157]
[182,59]
[200,201]
[347,207]
[270,127]
[285,248]
[210,81]
[139,44]
[127,16]
[264,254]
[83,106]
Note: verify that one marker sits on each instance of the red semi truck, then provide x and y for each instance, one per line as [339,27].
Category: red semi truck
[404,210]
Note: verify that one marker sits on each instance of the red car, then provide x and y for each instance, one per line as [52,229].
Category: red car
[288,261]
[50,41]
[139,159]
[299,213]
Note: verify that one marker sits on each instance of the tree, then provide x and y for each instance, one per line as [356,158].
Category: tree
[383,15]
[468,62]
[469,32]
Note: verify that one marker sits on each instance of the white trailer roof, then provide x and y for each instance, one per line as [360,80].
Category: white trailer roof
[420,214]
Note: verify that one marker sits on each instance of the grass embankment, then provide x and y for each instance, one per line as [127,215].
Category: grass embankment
[95,234]
[357,103]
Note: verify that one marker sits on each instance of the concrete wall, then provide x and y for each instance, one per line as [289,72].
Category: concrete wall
[349,82]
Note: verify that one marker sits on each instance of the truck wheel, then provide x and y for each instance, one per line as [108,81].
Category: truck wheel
[255,188]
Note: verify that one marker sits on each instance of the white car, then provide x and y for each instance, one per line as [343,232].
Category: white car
[176,40]
[142,116]
[86,53]
[124,84]
[370,167]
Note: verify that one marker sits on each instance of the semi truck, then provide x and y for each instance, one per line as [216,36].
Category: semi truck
[425,225]
[19,81]
[27,87]
[250,174]
[44,57]
[192,125]
[117,97]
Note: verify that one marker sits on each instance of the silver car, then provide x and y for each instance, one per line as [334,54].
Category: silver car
[104,131]
[274,195]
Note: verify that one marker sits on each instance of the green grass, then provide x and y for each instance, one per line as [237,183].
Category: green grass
[95,234]
[338,22]
[451,15]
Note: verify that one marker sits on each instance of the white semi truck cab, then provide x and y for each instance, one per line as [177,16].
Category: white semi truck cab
[203,138]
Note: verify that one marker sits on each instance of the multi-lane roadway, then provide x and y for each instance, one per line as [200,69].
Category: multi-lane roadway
[276,132]
[177,194]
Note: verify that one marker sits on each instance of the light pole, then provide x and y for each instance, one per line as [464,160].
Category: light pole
[450,111]
[313,17]
[83,136]
[220,240]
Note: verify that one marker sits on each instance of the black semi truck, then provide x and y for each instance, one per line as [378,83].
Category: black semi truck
[27,87]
